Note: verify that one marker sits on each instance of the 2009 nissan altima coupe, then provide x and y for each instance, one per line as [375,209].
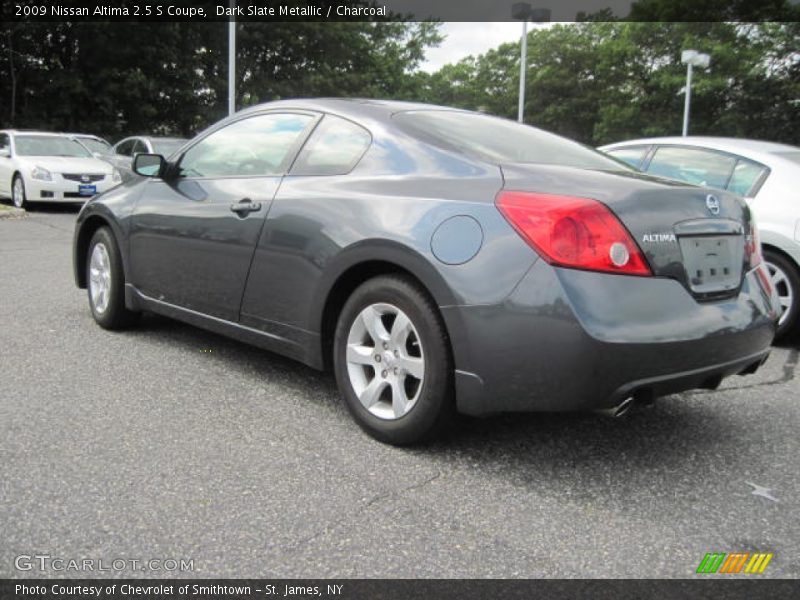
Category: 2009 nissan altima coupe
[436,259]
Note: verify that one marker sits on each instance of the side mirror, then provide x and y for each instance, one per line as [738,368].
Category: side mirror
[5,153]
[149,165]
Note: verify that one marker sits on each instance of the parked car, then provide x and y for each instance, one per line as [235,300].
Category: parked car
[764,173]
[50,167]
[436,260]
[99,147]
[122,153]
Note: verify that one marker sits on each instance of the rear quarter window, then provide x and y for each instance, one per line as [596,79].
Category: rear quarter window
[334,148]
[697,166]
[632,155]
[747,177]
[125,148]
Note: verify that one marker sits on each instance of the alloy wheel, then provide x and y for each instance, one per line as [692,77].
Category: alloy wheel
[19,193]
[780,280]
[100,277]
[385,361]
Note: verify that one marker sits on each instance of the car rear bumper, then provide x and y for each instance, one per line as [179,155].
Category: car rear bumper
[576,340]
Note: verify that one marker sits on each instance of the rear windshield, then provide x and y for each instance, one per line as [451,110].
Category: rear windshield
[166,147]
[48,145]
[502,141]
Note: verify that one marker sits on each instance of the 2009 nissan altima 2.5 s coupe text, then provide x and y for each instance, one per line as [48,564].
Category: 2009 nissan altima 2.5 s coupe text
[437,260]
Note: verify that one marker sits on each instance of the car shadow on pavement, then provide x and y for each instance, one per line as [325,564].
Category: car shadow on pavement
[245,359]
[665,435]
[792,341]
[53,207]
[649,453]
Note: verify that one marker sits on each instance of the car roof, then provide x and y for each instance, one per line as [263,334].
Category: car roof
[161,137]
[33,132]
[86,135]
[354,107]
[760,150]
[152,137]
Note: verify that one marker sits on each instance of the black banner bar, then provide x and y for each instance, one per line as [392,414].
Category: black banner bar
[200,11]
[741,587]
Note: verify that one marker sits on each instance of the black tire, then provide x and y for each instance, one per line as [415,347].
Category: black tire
[788,326]
[24,203]
[114,315]
[433,408]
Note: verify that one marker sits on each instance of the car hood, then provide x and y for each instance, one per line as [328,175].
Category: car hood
[67,164]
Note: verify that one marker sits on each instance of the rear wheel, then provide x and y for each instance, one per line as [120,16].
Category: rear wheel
[106,283]
[786,281]
[18,192]
[392,361]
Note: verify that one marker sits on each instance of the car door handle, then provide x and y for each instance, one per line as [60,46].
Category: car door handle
[246,206]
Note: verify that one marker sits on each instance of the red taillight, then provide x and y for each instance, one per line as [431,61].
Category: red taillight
[580,233]
[752,246]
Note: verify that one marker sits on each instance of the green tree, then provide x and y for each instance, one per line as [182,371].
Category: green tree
[117,79]
[604,81]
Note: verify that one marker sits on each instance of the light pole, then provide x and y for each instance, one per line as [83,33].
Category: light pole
[691,58]
[232,62]
[522,11]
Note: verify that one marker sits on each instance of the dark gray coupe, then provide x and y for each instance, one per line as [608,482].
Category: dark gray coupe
[436,259]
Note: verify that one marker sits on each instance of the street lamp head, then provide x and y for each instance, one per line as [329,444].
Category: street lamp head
[695,58]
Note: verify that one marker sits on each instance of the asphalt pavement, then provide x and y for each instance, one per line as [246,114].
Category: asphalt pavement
[167,442]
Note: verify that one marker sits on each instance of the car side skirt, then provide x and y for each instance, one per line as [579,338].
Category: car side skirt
[136,300]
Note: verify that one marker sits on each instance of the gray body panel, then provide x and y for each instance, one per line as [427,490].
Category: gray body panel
[524,335]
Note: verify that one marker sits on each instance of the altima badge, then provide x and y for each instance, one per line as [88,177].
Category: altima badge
[712,203]
[659,237]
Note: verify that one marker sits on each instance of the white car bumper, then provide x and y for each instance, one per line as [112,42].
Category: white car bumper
[68,187]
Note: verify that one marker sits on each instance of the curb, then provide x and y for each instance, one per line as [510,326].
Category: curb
[12,213]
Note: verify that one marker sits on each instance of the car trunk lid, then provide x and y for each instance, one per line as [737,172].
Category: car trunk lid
[694,235]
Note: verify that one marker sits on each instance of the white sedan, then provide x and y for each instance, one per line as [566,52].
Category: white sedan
[50,167]
[764,173]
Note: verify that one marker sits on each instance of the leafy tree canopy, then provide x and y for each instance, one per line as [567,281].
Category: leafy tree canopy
[600,82]
[117,79]
[597,81]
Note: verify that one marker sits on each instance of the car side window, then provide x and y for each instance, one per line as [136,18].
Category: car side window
[5,144]
[253,147]
[697,166]
[633,155]
[334,148]
[125,148]
[746,174]
[138,147]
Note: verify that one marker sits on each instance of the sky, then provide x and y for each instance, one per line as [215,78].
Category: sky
[472,38]
[487,29]
[464,39]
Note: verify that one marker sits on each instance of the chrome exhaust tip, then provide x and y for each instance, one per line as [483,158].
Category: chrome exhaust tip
[619,410]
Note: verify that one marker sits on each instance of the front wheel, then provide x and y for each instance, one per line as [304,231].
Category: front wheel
[106,283]
[392,361]
[786,281]
[18,192]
